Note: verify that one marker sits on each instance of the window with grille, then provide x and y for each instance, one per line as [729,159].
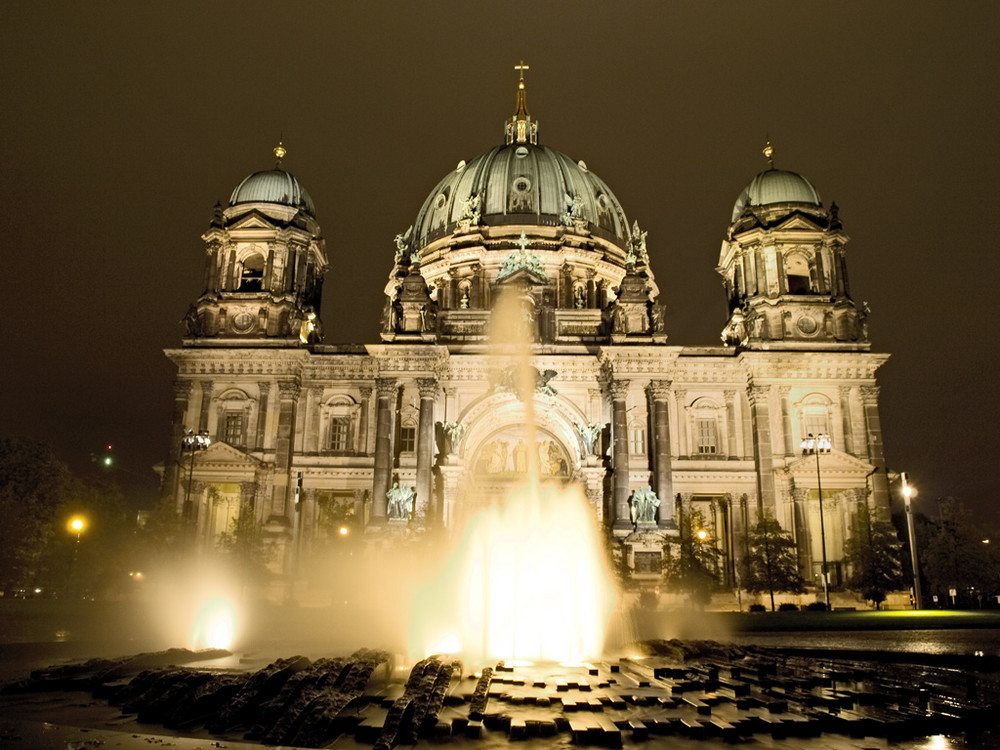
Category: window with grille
[816,423]
[637,437]
[705,436]
[339,429]
[407,439]
[233,428]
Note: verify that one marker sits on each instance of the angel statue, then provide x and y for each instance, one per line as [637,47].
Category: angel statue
[589,434]
[403,244]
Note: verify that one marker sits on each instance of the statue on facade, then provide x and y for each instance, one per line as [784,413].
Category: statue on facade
[400,502]
[574,210]
[470,210]
[636,245]
[453,431]
[589,434]
[644,504]
[403,244]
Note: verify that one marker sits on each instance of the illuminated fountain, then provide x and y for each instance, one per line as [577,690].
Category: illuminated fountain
[528,580]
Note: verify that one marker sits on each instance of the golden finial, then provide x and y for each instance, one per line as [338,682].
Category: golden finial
[520,128]
[769,153]
[280,151]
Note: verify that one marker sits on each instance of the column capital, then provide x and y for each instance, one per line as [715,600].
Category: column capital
[658,390]
[386,387]
[206,386]
[869,394]
[758,393]
[730,396]
[289,389]
[845,391]
[264,386]
[617,389]
[784,390]
[183,388]
[428,388]
[365,391]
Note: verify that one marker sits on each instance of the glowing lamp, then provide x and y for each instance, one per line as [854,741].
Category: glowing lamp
[77,525]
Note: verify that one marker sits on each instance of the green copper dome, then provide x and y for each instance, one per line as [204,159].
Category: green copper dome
[522,182]
[273,186]
[776,186]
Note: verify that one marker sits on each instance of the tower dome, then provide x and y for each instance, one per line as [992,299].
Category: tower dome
[273,186]
[776,186]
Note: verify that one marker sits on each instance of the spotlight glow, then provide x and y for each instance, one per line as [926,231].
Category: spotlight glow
[215,626]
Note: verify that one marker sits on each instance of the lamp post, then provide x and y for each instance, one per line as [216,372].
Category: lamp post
[908,493]
[191,443]
[814,445]
[77,525]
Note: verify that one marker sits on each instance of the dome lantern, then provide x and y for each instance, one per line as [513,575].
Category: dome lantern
[520,128]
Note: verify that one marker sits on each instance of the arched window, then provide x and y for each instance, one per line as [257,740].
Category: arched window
[233,418]
[339,415]
[814,415]
[252,275]
[797,273]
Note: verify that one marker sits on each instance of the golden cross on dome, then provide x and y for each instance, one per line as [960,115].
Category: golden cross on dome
[769,153]
[522,67]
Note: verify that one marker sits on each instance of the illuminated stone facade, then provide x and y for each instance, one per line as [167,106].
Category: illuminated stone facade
[311,437]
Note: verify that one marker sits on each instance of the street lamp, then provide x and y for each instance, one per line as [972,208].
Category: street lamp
[908,492]
[192,443]
[814,445]
[76,524]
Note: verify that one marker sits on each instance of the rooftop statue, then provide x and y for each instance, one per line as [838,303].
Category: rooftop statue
[589,434]
[403,244]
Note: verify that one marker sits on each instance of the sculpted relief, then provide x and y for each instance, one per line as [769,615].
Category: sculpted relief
[507,453]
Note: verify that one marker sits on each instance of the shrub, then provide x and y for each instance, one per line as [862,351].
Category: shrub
[758,608]
[816,606]
[788,607]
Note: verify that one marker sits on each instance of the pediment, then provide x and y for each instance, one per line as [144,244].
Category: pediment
[798,220]
[253,219]
[223,455]
[833,464]
[524,276]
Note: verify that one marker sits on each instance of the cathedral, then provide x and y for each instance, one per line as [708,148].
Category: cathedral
[423,429]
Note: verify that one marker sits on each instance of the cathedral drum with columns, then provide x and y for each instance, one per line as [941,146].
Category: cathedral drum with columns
[425,428]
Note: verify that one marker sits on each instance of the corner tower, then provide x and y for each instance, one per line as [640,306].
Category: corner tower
[264,266]
[784,268]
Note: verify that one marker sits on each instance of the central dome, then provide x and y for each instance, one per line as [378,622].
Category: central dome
[522,183]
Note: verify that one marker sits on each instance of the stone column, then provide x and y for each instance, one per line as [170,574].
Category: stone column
[786,420]
[169,490]
[618,391]
[288,396]
[731,451]
[310,440]
[760,414]
[386,389]
[845,415]
[362,444]
[659,394]
[260,436]
[682,433]
[206,402]
[876,455]
[428,388]
[802,533]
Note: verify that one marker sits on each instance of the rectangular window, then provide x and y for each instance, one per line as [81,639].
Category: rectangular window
[647,563]
[407,439]
[339,433]
[817,424]
[233,428]
[706,437]
[638,440]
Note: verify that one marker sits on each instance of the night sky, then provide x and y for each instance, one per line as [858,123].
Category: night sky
[121,125]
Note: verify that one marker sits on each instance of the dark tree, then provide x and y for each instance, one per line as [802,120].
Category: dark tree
[770,564]
[873,551]
[691,563]
[33,486]
[956,557]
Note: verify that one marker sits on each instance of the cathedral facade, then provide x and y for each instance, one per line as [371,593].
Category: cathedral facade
[425,428]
